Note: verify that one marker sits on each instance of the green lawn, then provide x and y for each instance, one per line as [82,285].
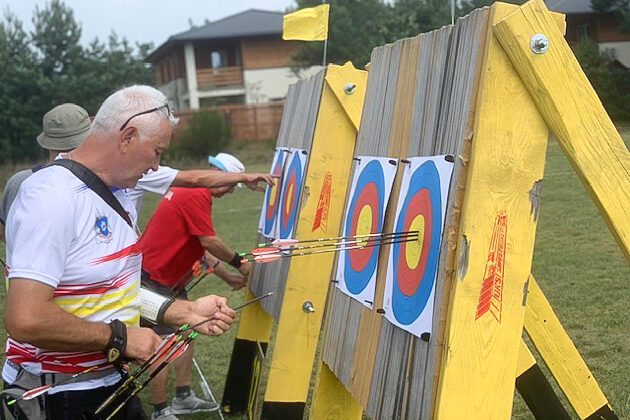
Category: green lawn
[585,277]
[576,262]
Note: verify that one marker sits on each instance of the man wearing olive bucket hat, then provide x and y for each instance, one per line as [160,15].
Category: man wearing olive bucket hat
[64,128]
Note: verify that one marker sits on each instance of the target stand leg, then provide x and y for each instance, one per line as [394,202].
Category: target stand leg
[250,346]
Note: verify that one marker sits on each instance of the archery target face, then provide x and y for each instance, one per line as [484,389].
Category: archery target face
[365,212]
[272,196]
[413,265]
[290,197]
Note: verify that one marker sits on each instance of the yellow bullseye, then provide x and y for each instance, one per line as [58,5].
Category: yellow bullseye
[364,225]
[414,248]
[287,205]
[272,195]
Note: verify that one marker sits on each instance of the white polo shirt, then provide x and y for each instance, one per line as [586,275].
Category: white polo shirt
[61,233]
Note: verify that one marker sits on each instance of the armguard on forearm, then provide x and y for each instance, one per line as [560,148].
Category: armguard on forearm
[153,305]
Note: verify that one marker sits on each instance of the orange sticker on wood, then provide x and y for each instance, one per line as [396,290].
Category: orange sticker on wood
[491,296]
[323,205]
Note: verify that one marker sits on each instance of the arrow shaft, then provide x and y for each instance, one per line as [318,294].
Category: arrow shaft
[241,306]
[352,242]
[340,238]
[350,248]
[36,392]
[181,345]
[170,347]
[270,258]
[166,345]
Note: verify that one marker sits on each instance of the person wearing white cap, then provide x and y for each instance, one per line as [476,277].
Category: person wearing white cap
[178,235]
[226,163]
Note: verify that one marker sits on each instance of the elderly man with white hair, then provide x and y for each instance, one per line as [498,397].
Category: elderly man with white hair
[74,299]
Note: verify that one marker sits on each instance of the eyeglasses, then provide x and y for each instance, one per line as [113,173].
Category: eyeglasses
[168,110]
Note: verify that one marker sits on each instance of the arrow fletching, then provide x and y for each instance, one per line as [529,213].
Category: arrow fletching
[267,258]
[36,392]
[264,251]
[32,393]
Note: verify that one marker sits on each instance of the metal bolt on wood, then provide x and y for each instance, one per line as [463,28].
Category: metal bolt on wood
[308,307]
[539,43]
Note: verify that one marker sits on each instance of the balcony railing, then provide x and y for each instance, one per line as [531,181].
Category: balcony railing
[219,77]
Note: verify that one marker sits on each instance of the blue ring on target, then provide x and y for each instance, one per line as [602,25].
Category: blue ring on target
[288,222]
[269,221]
[356,281]
[408,308]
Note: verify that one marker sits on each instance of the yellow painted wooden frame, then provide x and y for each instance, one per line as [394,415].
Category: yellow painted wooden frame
[480,353]
[308,279]
[574,113]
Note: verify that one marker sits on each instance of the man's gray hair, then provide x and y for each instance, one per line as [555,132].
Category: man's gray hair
[126,102]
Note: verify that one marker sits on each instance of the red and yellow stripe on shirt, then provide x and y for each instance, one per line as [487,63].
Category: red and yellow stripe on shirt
[114,298]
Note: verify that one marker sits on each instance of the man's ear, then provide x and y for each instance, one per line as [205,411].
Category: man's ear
[126,136]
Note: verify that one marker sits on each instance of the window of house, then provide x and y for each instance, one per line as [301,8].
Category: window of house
[218,59]
[583,32]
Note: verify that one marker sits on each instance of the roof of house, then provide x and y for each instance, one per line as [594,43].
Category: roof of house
[250,23]
[570,6]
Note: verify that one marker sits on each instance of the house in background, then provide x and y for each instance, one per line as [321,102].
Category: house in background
[583,22]
[238,59]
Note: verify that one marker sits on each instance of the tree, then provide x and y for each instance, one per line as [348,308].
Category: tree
[619,7]
[49,66]
[20,93]
[609,79]
[469,5]
[413,17]
[56,38]
[204,132]
[355,28]
[107,67]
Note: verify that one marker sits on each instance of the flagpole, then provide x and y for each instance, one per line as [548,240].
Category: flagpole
[325,44]
[452,12]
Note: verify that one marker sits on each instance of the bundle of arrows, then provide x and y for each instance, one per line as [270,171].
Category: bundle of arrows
[287,248]
[173,346]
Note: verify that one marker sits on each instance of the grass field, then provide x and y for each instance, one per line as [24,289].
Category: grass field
[576,262]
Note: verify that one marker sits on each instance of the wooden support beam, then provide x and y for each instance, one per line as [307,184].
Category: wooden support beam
[324,191]
[252,335]
[535,388]
[561,356]
[574,113]
[495,246]
[331,400]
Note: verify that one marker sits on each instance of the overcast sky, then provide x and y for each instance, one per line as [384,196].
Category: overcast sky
[143,20]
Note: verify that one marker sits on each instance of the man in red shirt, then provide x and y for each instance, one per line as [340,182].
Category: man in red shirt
[180,233]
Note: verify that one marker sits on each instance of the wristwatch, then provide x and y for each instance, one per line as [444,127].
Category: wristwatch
[117,342]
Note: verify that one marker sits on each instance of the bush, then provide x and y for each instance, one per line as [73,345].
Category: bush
[610,80]
[205,133]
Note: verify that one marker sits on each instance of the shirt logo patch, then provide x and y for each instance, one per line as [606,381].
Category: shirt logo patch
[103,232]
